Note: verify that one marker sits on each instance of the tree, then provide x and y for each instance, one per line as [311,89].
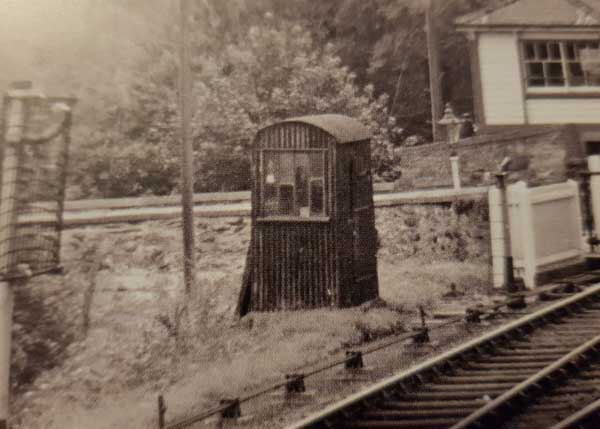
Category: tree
[273,73]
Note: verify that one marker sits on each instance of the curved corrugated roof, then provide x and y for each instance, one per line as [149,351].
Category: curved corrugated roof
[567,13]
[344,128]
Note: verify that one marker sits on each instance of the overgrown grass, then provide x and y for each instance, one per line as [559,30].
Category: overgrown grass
[225,359]
[412,282]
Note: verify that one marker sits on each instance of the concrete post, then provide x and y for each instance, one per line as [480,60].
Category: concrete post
[497,237]
[527,237]
[14,120]
[454,162]
[594,167]
[6,313]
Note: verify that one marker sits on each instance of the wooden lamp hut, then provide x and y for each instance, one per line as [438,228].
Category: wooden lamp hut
[313,240]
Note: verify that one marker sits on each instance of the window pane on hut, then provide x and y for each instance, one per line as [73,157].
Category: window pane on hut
[287,181]
[317,193]
[286,199]
[302,168]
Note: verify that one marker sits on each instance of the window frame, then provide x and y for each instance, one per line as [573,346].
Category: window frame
[324,180]
[567,88]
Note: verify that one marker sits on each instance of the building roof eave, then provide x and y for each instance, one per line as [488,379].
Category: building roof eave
[560,13]
[528,28]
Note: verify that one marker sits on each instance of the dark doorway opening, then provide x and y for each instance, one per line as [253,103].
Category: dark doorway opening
[592,148]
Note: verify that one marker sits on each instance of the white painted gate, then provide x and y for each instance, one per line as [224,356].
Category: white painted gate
[546,229]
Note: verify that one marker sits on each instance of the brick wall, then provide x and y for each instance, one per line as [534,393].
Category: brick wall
[547,148]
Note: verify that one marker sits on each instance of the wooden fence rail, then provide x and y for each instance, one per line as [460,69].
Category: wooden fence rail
[224,204]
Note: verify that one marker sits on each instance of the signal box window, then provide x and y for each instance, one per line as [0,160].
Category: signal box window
[293,183]
[573,63]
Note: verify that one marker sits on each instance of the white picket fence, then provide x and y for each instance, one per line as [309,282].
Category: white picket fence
[545,227]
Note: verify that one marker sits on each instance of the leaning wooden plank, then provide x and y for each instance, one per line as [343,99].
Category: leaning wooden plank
[97,217]
[174,200]
[154,201]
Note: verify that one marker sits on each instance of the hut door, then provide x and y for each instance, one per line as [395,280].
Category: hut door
[363,225]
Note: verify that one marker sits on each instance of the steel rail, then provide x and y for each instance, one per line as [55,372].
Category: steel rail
[580,419]
[484,310]
[185,422]
[435,364]
[483,414]
[188,421]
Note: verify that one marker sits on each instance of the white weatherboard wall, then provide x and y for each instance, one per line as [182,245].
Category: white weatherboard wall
[545,229]
[564,111]
[500,79]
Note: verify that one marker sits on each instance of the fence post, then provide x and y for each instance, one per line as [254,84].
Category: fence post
[594,167]
[162,409]
[577,211]
[14,124]
[454,162]
[527,238]
[497,237]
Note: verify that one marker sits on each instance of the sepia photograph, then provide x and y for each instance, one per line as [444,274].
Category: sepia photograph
[300,214]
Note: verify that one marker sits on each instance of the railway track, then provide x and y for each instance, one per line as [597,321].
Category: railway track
[538,372]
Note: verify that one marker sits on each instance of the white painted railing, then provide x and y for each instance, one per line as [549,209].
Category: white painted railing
[545,228]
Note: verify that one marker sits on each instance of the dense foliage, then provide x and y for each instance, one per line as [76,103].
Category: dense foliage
[274,72]
[254,62]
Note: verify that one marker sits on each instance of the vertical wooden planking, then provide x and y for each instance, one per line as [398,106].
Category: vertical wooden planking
[307,270]
[286,277]
[290,263]
[298,136]
[254,254]
[305,278]
[265,281]
[299,263]
[261,274]
[326,274]
[309,267]
[316,268]
[286,272]
[271,291]
[282,268]
[268,263]
[335,251]
[296,265]
[283,136]
[295,130]
[307,261]
[319,256]
[316,262]
[257,265]
[274,267]
[254,259]
[306,137]
[278,266]
[322,256]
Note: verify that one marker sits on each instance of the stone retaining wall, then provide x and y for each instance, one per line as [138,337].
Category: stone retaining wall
[547,149]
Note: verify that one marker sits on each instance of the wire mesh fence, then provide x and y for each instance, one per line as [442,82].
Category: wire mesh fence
[35,149]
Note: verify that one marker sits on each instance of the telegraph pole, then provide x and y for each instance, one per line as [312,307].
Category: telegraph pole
[435,78]
[187,155]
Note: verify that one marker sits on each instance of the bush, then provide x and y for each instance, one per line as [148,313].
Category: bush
[274,73]
[41,333]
